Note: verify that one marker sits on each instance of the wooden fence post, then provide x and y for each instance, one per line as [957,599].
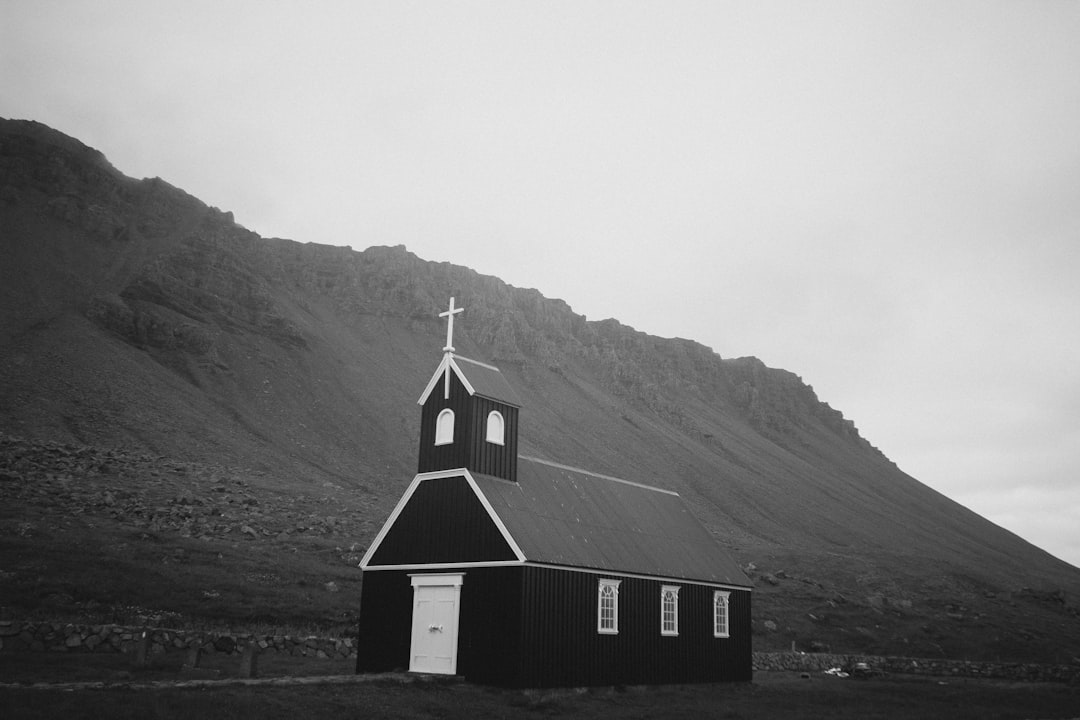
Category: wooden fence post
[142,649]
[194,656]
[249,661]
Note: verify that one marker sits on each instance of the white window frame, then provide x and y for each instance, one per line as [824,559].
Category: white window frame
[496,428]
[721,599]
[613,586]
[444,427]
[669,624]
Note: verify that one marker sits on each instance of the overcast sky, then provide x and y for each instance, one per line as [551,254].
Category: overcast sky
[883,198]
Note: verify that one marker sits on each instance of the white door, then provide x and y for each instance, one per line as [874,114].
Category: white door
[435,623]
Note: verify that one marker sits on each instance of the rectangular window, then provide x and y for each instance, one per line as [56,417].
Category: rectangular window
[669,610]
[720,614]
[607,607]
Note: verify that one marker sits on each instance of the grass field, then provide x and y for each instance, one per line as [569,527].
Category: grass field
[771,695]
[52,667]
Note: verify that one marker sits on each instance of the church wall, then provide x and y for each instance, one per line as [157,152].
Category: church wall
[385,629]
[453,455]
[489,643]
[561,645]
[489,458]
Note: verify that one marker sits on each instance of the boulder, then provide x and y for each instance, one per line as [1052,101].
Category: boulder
[225,644]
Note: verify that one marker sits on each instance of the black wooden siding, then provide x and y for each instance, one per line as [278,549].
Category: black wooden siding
[561,646]
[536,627]
[385,628]
[488,458]
[452,455]
[470,448]
[489,639]
[443,522]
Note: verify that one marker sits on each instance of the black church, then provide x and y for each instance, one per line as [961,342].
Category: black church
[511,570]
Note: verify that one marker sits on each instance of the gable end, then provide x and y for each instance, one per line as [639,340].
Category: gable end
[441,519]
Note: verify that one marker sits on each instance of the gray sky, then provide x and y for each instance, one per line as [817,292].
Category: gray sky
[881,197]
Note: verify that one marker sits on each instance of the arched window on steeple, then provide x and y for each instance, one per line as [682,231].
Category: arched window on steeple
[444,427]
[496,431]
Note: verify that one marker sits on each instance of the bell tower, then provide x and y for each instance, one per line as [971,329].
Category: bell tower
[468,416]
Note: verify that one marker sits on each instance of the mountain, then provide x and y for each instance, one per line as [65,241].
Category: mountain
[186,404]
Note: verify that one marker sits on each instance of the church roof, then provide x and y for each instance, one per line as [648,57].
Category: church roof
[565,516]
[477,377]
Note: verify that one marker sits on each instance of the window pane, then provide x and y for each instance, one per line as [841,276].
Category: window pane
[669,611]
[720,614]
[495,427]
[608,607]
[444,427]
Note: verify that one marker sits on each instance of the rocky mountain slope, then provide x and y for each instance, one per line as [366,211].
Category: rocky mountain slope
[137,321]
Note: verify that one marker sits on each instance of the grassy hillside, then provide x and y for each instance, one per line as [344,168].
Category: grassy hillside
[140,325]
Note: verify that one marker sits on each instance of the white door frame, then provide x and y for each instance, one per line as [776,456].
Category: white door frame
[448,627]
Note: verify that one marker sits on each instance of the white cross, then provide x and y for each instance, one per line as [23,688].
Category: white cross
[449,315]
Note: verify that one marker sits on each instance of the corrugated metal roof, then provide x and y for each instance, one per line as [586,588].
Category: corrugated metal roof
[565,516]
[487,380]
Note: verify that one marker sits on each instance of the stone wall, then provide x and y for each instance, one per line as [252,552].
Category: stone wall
[63,637]
[819,662]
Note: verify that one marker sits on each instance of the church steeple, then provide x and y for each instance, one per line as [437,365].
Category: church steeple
[471,422]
